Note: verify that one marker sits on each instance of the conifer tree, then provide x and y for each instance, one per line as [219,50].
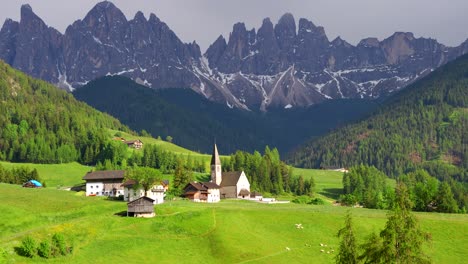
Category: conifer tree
[348,252]
[401,240]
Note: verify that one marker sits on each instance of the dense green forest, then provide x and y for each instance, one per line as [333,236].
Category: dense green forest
[423,126]
[195,122]
[366,186]
[267,173]
[42,124]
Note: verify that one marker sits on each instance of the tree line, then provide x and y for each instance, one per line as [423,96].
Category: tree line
[401,240]
[18,175]
[267,173]
[367,186]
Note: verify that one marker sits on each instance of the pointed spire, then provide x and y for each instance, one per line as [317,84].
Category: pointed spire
[215,157]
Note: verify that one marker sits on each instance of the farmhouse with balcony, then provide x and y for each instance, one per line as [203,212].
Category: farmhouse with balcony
[202,192]
[136,144]
[104,183]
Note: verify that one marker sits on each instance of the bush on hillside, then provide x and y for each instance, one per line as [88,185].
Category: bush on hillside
[28,247]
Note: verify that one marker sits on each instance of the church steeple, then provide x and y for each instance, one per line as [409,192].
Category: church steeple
[215,166]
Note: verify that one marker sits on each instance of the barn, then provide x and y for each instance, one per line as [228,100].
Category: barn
[141,207]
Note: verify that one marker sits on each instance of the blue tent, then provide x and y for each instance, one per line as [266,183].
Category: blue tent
[36,183]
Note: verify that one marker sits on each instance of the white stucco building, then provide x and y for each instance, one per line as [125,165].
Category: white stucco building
[157,192]
[104,183]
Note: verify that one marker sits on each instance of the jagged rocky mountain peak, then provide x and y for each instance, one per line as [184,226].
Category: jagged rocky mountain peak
[140,17]
[105,13]
[279,65]
[238,29]
[26,8]
[369,42]
[306,25]
[338,41]
[153,19]
[288,20]
[29,17]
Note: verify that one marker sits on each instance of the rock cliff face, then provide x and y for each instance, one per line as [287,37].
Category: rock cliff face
[275,66]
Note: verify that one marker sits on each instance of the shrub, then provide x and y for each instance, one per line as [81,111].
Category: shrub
[317,201]
[44,249]
[28,247]
[58,245]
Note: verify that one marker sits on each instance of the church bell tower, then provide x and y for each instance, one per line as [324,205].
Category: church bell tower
[215,166]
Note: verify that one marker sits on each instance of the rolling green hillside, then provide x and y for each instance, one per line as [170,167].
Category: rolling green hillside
[55,175]
[42,124]
[423,126]
[195,122]
[228,232]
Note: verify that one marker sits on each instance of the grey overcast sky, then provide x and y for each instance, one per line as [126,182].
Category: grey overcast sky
[205,20]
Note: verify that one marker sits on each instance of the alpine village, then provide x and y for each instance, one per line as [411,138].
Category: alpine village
[269,143]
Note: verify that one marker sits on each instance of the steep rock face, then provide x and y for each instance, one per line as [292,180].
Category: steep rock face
[291,68]
[277,66]
[30,43]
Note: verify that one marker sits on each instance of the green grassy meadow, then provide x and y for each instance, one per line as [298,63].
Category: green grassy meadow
[227,232]
[55,175]
[163,144]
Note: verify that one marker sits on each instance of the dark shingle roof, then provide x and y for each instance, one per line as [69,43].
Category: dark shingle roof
[211,185]
[129,183]
[230,178]
[203,186]
[143,197]
[132,141]
[197,186]
[105,175]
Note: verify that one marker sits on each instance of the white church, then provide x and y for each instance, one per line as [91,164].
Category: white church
[222,185]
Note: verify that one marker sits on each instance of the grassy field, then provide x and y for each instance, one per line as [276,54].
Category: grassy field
[66,174]
[163,144]
[227,232]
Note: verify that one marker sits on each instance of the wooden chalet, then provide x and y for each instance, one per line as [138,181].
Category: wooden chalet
[207,192]
[141,207]
[136,144]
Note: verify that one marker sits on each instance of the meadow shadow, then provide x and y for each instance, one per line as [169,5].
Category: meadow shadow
[333,193]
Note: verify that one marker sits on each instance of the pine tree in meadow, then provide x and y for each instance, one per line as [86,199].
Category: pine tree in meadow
[348,252]
[401,240]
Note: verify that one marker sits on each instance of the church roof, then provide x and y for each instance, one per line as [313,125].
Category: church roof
[230,178]
[215,156]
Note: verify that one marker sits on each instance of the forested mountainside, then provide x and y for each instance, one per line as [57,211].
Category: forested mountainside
[195,122]
[40,123]
[424,126]
[286,64]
